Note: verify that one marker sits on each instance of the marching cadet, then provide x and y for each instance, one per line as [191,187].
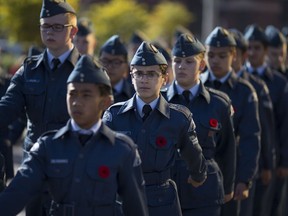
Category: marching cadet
[276,49]
[212,113]
[266,160]
[278,88]
[85,164]
[40,83]
[85,39]
[220,53]
[114,57]
[159,129]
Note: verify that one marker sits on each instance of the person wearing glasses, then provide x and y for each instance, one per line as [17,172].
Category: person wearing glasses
[159,129]
[39,86]
[85,164]
[114,57]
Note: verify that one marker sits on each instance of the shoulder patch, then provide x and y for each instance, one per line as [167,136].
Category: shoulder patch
[220,94]
[107,116]
[181,108]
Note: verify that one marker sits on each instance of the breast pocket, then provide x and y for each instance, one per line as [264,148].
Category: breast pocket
[102,185]
[59,175]
[164,148]
[207,132]
[35,95]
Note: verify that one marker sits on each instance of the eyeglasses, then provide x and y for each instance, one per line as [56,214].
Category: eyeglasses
[55,27]
[114,63]
[150,75]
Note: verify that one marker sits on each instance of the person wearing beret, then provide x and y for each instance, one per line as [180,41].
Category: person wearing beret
[220,53]
[276,49]
[38,88]
[85,39]
[113,56]
[212,113]
[266,160]
[160,130]
[278,89]
[85,164]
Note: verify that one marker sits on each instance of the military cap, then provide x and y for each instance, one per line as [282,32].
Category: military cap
[241,42]
[163,50]
[274,36]
[114,46]
[187,45]
[84,27]
[147,54]
[54,7]
[220,37]
[88,71]
[256,33]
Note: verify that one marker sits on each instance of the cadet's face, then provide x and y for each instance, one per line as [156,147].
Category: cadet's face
[256,53]
[187,70]
[219,60]
[148,89]
[57,42]
[116,66]
[85,104]
[85,44]
[276,56]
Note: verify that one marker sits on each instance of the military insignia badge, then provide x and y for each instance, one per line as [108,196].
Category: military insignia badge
[107,116]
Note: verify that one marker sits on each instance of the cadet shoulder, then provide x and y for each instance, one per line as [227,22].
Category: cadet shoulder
[181,109]
[219,94]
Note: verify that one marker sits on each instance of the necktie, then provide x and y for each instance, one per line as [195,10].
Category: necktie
[187,95]
[255,72]
[146,110]
[55,62]
[83,138]
[217,84]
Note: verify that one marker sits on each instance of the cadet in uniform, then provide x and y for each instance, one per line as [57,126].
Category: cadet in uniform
[159,129]
[212,113]
[278,88]
[220,52]
[85,164]
[85,39]
[39,87]
[113,56]
[276,49]
[266,160]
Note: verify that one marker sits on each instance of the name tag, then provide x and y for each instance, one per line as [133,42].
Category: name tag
[59,161]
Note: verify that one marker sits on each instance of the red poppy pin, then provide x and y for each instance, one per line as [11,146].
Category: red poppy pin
[213,123]
[161,141]
[104,171]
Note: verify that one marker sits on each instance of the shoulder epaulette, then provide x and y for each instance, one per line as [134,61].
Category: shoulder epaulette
[221,94]
[50,132]
[124,138]
[181,108]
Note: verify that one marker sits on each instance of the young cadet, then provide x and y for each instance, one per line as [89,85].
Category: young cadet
[159,129]
[276,49]
[85,164]
[278,88]
[266,160]
[40,83]
[220,53]
[114,57]
[85,39]
[212,113]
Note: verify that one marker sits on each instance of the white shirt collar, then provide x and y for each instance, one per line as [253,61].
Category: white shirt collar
[62,57]
[222,80]
[78,129]
[141,103]
[193,90]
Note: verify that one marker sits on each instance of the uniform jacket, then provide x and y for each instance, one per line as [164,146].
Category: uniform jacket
[278,88]
[266,118]
[85,177]
[246,125]
[169,127]
[34,89]
[214,126]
